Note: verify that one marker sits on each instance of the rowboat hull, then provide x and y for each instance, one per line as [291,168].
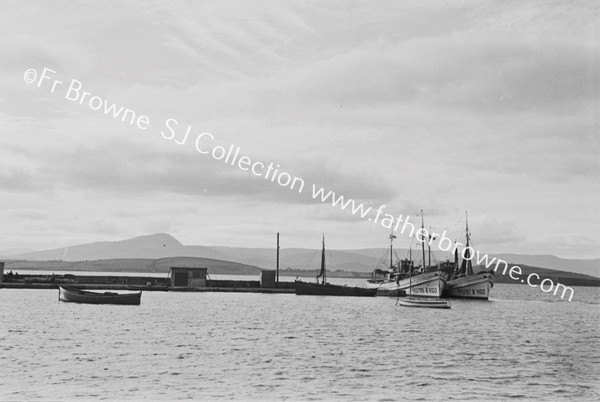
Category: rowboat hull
[423,303]
[429,284]
[475,286]
[72,295]
[313,289]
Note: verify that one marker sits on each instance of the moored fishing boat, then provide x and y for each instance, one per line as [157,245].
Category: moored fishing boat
[73,295]
[475,286]
[427,303]
[402,279]
[327,289]
[427,284]
[464,282]
[313,289]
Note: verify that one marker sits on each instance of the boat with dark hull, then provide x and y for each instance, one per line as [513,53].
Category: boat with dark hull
[464,282]
[316,289]
[73,295]
[327,289]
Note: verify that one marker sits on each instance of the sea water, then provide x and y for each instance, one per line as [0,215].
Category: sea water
[522,344]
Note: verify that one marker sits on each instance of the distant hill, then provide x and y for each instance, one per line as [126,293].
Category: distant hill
[566,278]
[163,245]
[365,260]
[305,259]
[152,246]
[587,267]
[161,265]
[14,251]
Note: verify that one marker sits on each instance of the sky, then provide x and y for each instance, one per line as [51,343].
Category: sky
[440,106]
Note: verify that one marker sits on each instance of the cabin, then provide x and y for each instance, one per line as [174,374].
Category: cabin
[188,277]
[1,272]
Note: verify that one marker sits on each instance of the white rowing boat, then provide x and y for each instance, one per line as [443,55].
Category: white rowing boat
[423,303]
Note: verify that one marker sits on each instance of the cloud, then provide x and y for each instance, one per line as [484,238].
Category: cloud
[456,72]
[493,231]
[28,214]
[15,179]
[137,168]
[443,107]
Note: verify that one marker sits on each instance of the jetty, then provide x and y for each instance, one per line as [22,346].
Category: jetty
[179,279]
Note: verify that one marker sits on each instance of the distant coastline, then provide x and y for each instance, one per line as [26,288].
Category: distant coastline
[220,267]
[566,278]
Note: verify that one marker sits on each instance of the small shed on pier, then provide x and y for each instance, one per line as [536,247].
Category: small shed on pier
[188,277]
[268,279]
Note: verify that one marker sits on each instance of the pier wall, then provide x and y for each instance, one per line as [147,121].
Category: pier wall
[140,283]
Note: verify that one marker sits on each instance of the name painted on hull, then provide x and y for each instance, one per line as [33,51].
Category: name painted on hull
[470,292]
[417,290]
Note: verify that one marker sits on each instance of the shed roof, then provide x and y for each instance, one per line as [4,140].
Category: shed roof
[189,268]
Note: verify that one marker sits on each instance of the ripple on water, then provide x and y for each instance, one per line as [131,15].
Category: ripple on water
[253,346]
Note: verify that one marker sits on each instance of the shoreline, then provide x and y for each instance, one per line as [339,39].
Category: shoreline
[281,290]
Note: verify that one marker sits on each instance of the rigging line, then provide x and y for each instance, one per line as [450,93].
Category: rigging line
[382,259]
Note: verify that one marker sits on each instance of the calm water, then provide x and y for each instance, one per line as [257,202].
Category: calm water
[521,345]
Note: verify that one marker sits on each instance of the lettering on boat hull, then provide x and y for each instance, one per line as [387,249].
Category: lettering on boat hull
[430,284]
[471,287]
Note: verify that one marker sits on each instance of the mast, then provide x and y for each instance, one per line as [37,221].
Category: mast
[429,245]
[410,284]
[423,243]
[410,266]
[323,260]
[466,267]
[392,237]
[277,267]
[467,227]
[391,247]
[469,268]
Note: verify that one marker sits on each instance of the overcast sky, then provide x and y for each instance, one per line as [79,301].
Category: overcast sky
[485,107]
